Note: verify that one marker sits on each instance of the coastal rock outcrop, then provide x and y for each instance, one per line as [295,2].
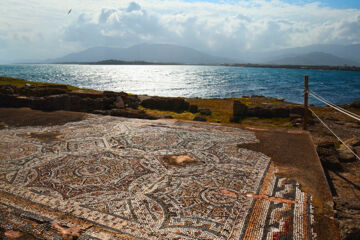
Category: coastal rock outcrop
[355,104]
[239,111]
[58,97]
[166,103]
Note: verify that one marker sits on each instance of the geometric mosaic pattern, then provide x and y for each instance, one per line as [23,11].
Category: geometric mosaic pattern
[116,173]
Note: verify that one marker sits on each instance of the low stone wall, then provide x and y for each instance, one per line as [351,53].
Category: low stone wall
[54,98]
[283,110]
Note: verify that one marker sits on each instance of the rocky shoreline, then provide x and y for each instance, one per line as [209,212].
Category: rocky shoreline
[59,97]
[340,166]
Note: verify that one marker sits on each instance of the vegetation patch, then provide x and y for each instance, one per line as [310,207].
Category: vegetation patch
[21,83]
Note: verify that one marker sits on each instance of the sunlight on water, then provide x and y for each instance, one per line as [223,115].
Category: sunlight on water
[196,81]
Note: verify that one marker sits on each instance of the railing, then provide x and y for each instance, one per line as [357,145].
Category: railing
[308,92]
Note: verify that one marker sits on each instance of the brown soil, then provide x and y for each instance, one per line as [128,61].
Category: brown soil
[345,182]
[17,117]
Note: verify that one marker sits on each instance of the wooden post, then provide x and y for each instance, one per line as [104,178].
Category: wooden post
[306,98]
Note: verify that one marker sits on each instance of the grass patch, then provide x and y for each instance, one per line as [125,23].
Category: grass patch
[21,83]
[183,116]
[271,122]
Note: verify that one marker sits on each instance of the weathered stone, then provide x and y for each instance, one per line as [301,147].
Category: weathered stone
[353,142]
[164,103]
[268,111]
[3,125]
[101,112]
[7,89]
[41,91]
[132,101]
[119,103]
[87,94]
[239,109]
[13,101]
[131,113]
[200,119]
[193,109]
[295,116]
[299,110]
[110,94]
[331,162]
[205,111]
[325,151]
[345,155]
[355,104]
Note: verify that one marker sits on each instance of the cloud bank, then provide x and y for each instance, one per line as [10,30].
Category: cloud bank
[225,28]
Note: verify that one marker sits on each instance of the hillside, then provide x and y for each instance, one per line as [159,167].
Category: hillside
[157,53]
[314,58]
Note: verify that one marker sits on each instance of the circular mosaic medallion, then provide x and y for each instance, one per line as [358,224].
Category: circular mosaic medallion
[91,170]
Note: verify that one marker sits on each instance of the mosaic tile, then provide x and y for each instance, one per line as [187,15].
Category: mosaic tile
[155,180]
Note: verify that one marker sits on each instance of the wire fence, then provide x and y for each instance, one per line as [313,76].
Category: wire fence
[337,108]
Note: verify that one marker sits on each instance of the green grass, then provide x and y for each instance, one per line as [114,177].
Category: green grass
[21,83]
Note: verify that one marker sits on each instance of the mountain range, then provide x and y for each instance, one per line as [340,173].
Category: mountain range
[155,53]
[329,55]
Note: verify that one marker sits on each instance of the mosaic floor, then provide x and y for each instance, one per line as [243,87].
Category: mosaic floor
[154,180]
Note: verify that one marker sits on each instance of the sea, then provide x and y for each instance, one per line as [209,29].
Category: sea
[339,87]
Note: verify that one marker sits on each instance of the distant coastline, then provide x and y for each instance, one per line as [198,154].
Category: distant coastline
[306,67]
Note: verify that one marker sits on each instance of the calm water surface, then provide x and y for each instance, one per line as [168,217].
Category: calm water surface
[196,81]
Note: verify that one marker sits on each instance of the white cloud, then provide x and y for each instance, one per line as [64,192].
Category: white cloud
[224,28]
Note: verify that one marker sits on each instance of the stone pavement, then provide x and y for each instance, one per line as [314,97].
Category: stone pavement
[123,178]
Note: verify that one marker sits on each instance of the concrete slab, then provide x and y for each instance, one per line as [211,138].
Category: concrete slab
[136,179]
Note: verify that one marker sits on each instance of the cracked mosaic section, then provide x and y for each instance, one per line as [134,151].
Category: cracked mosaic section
[154,179]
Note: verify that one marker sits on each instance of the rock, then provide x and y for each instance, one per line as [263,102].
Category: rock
[110,94]
[168,117]
[119,103]
[131,101]
[101,112]
[297,121]
[324,152]
[239,109]
[355,104]
[345,155]
[131,113]
[257,96]
[332,163]
[268,111]
[13,101]
[200,119]
[295,116]
[354,142]
[205,111]
[351,125]
[164,103]
[281,99]
[3,125]
[327,144]
[41,91]
[87,94]
[193,109]
[299,110]
[7,89]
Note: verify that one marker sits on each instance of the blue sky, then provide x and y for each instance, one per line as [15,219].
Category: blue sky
[42,29]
